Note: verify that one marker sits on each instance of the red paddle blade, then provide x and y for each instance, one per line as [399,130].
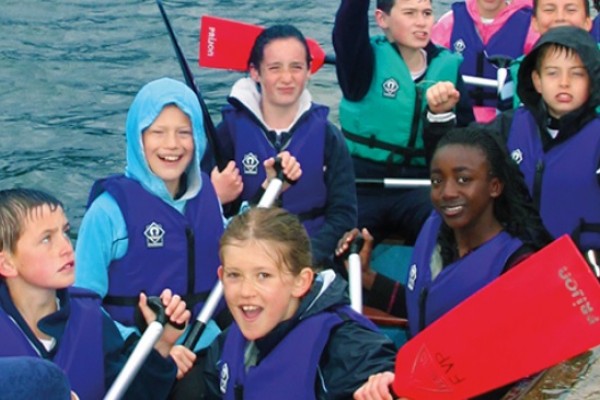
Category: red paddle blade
[226,44]
[538,314]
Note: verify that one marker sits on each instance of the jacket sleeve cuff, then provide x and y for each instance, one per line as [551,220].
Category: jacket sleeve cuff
[440,118]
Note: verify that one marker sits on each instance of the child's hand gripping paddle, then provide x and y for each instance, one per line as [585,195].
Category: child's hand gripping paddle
[355,273]
[543,311]
[141,351]
[268,198]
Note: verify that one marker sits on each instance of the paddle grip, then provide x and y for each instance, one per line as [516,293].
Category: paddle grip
[156,305]
[205,314]
[355,273]
[357,244]
[279,172]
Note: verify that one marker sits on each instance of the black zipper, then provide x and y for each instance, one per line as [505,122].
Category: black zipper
[537,183]
[422,308]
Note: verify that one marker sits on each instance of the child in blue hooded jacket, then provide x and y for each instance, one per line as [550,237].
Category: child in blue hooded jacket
[158,224]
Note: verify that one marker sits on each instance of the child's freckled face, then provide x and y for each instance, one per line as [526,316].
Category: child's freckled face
[259,292]
[44,255]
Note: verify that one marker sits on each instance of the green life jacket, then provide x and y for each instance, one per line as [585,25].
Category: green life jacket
[386,125]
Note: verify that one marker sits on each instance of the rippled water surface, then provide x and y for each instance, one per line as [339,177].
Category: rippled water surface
[69,70]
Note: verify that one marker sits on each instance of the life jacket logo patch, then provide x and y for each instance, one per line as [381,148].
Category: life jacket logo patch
[459,46]
[412,277]
[250,163]
[517,156]
[389,88]
[154,235]
[224,378]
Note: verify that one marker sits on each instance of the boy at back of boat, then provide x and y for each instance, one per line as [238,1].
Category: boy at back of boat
[549,14]
[41,316]
[383,80]
[553,136]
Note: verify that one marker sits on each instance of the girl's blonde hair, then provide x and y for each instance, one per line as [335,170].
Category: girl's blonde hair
[275,228]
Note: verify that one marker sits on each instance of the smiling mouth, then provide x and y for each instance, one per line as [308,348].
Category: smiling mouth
[250,312]
[170,158]
[452,210]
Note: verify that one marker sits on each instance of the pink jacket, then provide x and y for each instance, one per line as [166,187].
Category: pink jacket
[442,30]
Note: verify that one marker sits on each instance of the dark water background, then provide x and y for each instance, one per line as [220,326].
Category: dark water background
[69,70]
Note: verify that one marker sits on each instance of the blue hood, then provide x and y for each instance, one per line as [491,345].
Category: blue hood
[146,106]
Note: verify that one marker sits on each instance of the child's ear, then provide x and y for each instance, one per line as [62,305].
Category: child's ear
[537,82]
[496,187]
[380,18]
[220,272]
[535,24]
[254,74]
[7,269]
[303,281]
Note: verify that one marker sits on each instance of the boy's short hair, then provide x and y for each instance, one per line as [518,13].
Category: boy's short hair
[16,205]
[548,48]
[385,5]
[586,4]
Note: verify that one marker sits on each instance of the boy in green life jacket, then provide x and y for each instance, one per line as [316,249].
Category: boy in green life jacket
[383,80]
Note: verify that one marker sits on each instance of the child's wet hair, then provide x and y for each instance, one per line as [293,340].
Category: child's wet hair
[275,229]
[16,206]
[514,208]
[270,34]
[552,48]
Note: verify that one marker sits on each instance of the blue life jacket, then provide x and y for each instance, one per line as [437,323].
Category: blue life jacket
[80,352]
[595,31]
[166,249]
[308,196]
[428,300]
[507,42]
[562,180]
[289,371]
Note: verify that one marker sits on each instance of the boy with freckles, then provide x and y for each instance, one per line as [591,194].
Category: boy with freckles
[42,316]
